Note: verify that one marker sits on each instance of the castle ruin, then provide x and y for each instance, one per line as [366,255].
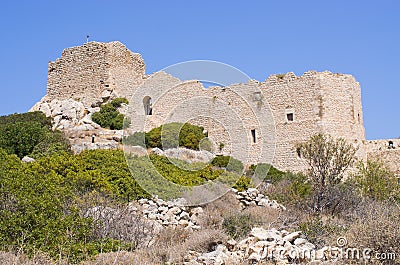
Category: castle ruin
[300,106]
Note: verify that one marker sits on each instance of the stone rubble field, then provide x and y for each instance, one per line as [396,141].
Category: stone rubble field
[262,245]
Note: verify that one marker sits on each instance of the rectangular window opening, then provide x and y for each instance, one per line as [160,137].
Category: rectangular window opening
[289,116]
[298,151]
[253,135]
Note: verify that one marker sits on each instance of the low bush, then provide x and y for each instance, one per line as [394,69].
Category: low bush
[291,190]
[117,102]
[374,180]
[320,232]
[171,135]
[30,134]
[52,142]
[377,229]
[175,134]
[37,213]
[109,116]
[239,225]
[229,163]
[265,172]
[35,116]
[205,240]
[135,139]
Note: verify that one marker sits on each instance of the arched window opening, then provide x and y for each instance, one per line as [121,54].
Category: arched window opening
[391,146]
[148,105]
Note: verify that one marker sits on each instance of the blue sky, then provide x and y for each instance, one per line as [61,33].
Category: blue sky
[361,38]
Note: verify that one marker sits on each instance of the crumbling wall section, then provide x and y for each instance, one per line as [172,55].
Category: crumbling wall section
[94,72]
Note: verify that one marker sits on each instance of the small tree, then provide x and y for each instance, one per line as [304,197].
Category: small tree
[327,159]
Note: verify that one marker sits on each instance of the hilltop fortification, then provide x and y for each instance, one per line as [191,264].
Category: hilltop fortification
[299,106]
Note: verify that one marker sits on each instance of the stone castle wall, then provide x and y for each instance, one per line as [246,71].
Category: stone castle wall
[230,114]
[94,70]
[227,114]
[387,150]
[292,108]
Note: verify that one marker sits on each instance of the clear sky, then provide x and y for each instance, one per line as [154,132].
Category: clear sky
[263,37]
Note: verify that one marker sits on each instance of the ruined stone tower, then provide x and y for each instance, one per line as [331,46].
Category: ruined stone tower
[93,72]
[312,103]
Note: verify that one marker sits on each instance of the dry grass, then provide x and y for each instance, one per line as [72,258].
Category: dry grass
[379,230]
[215,212]
[9,258]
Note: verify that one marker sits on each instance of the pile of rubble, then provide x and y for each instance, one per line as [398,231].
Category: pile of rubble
[280,247]
[171,213]
[253,197]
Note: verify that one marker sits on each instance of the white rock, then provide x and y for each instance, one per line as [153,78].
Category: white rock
[265,235]
[93,110]
[292,236]
[184,216]
[231,244]
[106,94]
[183,222]
[27,159]
[157,151]
[45,108]
[254,257]
[308,245]
[163,209]
[264,202]
[197,211]
[299,241]
[174,210]
[180,202]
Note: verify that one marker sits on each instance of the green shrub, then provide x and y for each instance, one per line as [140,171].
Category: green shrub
[243,183]
[42,203]
[117,102]
[51,143]
[229,163]
[135,139]
[239,225]
[171,135]
[292,189]
[35,116]
[266,172]
[319,232]
[376,181]
[30,133]
[37,212]
[109,116]
[21,137]
[182,174]
[207,145]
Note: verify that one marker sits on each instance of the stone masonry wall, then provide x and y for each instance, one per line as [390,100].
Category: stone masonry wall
[386,150]
[318,102]
[341,109]
[227,116]
[94,70]
[298,96]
